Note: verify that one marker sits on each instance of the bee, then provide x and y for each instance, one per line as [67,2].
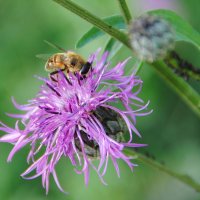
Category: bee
[67,62]
[114,127]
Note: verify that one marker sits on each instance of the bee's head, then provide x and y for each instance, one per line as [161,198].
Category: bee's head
[55,62]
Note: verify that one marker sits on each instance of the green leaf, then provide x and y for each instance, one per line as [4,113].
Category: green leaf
[55,46]
[154,164]
[112,46]
[139,65]
[183,30]
[116,21]
[43,56]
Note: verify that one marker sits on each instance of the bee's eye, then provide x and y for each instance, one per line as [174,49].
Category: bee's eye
[73,62]
[51,64]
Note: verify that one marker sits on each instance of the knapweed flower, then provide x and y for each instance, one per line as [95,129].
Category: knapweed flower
[151,37]
[145,5]
[78,118]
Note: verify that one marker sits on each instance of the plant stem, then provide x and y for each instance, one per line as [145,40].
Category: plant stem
[94,20]
[186,92]
[182,67]
[125,10]
[181,177]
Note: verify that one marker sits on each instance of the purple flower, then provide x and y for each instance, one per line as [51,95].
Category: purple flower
[78,118]
[146,5]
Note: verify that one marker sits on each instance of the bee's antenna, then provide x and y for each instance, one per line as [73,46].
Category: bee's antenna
[55,46]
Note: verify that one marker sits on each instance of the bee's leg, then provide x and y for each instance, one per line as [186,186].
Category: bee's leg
[52,78]
[54,75]
[85,69]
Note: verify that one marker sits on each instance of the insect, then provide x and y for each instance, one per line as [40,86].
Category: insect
[67,62]
[113,125]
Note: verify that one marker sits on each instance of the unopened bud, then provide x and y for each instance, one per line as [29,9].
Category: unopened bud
[151,37]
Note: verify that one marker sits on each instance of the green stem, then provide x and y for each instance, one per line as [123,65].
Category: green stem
[182,67]
[181,177]
[125,10]
[180,86]
[94,20]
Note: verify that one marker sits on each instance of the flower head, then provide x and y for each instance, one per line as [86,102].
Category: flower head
[151,37]
[77,118]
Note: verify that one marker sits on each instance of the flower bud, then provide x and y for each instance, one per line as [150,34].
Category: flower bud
[151,37]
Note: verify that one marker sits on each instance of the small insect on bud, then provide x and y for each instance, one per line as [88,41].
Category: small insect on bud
[151,37]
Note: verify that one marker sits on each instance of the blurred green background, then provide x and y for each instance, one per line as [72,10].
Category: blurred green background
[172,131]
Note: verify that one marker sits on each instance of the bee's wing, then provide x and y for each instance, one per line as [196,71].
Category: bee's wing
[43,56]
